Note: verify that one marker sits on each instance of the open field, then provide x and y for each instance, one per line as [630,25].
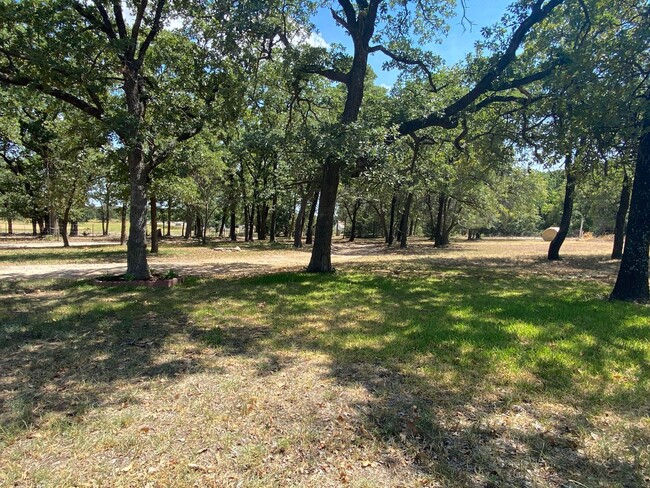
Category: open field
[88,228]
[478,365]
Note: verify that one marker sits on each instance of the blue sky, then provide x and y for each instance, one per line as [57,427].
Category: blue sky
[453,48]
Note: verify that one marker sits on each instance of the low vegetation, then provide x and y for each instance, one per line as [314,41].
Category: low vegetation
[477,365]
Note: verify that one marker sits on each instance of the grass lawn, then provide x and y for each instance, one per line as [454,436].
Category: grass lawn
[428,368]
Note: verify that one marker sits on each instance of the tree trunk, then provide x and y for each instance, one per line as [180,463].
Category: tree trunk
[405,219]
[274,217]
[432,220]
[245,211]
[136,253]
[321,255]
[300,220]
[391,227]
[632,280]
[154,224]
[169,218]
[251,224]
[233,223]
[204,234]
[198,229]
[353,219]
[439,238]
[567,210]
[10,226]
[108,212]
[621,214]
[63,228]
[52,223]
[123,225]
[34,225]
[262,219]
[309,237]
[222,227]
[74,229]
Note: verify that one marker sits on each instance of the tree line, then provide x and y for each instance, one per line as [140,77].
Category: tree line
[226,110]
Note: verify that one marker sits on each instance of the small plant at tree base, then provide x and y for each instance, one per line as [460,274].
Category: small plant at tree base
[129,277]
[169,275]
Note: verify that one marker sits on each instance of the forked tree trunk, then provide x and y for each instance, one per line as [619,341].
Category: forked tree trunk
[632,281]
[567,210]
[621,214]
[353,219]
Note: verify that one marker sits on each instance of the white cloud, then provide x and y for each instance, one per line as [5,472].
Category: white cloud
[315,39]
[303,36]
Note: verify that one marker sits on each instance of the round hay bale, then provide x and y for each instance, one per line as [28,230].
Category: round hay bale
[549,234]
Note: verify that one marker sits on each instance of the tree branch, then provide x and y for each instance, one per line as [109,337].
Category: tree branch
[330,74]
[103,25]
[73,100]
[339,20]
[119,18]
[155,29]
[447,119]
[404,60]
[350,13]
[135,31]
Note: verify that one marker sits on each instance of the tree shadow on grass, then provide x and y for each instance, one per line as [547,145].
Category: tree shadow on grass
[64,345]
[430,350]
